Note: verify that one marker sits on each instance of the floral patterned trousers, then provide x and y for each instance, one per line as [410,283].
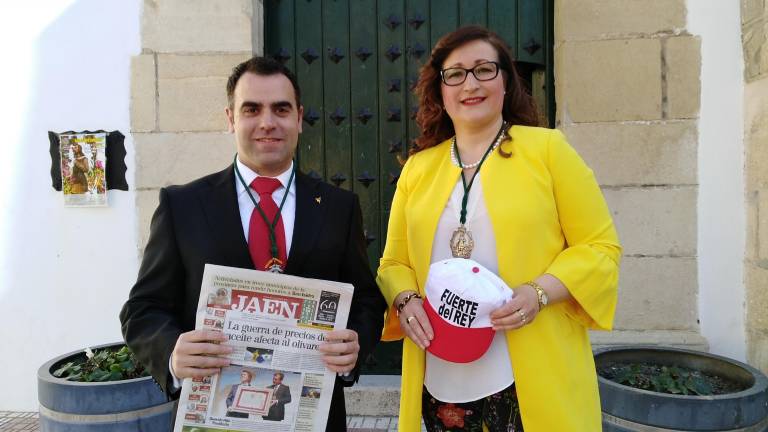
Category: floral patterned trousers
[499,412]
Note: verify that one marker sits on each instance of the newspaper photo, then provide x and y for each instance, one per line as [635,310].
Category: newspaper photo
[276,380]
[82,169]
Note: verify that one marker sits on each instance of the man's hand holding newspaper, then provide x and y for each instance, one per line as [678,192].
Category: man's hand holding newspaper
[340,350]
[199,353]
[265,352]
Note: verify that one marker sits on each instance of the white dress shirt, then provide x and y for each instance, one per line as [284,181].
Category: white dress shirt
[287,214]
[466,382]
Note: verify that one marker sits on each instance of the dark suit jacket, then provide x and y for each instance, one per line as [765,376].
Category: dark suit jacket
[199,223]
[283,396]
[231,395]
[231,399]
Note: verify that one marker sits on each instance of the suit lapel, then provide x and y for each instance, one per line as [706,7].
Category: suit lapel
[310,209]
[223,215]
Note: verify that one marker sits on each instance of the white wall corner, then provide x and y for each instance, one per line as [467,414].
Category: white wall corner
[721,151]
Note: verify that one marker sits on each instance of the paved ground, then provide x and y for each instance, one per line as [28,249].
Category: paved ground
[18,421]
[27,422]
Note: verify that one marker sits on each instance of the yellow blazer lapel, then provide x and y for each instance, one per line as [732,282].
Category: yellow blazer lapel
[432,196]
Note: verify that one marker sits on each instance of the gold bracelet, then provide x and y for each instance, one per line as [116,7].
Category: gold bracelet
[541,295]
[405,301]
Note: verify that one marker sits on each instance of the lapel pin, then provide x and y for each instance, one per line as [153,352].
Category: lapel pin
[318,199]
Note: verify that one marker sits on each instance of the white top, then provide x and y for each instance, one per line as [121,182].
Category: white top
[287,214]
[491,373]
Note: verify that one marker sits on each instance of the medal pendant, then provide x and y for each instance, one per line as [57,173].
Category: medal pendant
[274,265]
[462,243]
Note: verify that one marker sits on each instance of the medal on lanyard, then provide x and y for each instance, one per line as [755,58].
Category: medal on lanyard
[274,265]
[461,241]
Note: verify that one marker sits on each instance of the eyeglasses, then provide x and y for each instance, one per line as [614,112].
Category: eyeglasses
[483,72]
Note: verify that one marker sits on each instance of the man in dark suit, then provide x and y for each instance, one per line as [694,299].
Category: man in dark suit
[246,377]
[214,220]
[280,397]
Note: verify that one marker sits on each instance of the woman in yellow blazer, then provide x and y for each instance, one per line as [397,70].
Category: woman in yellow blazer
[544,218]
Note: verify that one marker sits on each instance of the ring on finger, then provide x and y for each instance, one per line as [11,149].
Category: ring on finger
[409,319]
[522,315]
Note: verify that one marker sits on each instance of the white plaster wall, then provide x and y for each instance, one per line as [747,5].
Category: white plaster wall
[64,272]
[721,208]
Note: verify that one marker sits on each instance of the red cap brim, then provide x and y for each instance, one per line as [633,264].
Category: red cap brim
[456,344]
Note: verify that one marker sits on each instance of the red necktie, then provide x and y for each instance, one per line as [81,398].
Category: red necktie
[258,232]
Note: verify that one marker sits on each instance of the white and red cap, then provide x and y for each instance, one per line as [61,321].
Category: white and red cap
[460,296]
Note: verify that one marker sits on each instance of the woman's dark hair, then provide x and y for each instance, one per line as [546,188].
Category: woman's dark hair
[519,107]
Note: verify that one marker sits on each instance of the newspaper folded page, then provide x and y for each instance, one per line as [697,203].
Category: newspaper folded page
[277,380]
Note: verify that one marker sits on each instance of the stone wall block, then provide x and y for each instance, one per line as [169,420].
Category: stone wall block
[192,91]
[675,338]
[756,134]
[683,58]
[757,297]
[657,294]
[146,203]
[257,31]
[757,350]
[753,218]
[638,154]
[173,66]
[600,19]
[175,158]
[762,229]
[764,49]
[755,48]
[611,80]
[751,9]
[197,26]
[193,104]
[655,221]
[143,93]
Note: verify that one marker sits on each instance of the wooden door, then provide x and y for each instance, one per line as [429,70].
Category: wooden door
[356,61]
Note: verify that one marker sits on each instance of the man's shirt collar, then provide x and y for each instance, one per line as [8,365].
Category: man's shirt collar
[249,175]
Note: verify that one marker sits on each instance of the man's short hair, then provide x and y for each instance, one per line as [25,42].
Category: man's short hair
[282,375]
[264,66]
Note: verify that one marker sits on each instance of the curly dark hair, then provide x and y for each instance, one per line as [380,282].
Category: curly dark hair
[519,107]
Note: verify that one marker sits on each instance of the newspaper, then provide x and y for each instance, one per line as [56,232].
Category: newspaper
[277,380]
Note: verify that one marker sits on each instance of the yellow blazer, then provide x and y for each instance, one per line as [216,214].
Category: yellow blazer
[548,216]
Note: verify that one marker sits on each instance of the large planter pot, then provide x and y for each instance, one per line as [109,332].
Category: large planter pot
[135,405]
[630,409]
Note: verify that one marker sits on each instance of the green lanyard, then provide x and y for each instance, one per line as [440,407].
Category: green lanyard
[270,225]
[467,187]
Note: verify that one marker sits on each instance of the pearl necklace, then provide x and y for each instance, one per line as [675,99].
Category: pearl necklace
[455,160]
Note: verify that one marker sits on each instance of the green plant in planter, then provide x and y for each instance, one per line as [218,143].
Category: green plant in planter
[666,379]
[108,364]
[658,388]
